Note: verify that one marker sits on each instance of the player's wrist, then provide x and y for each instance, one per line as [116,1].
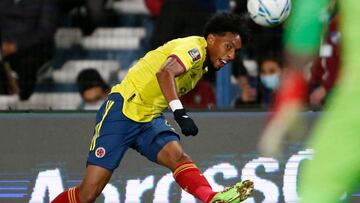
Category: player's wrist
[175,105]
[179,113]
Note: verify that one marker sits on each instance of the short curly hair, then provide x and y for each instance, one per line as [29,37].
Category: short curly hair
[227,22]
[89,78]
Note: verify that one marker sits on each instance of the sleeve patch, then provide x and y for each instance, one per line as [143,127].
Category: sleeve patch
[195,54]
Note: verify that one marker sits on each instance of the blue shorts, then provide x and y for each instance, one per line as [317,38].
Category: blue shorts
[115,133]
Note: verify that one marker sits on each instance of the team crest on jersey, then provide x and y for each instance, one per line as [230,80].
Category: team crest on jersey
[195,54]
[100,152]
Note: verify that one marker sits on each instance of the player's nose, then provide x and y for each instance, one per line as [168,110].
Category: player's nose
[231,55]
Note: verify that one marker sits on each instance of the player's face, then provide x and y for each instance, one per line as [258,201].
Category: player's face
[222,48]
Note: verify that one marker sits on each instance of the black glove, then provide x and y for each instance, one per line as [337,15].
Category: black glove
[187,125]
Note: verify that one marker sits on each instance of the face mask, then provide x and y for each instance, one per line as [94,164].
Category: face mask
[95,106]
[270,81]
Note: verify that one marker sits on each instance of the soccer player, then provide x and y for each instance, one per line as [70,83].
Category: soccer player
[335,166]
[131,116]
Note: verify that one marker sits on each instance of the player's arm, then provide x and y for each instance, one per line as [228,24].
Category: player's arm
[166,79]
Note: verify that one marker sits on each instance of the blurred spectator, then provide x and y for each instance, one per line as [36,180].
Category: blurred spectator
[87,14]
[154,6]
[92,88]
[201,97]
[259,91]
[149,23]
[264,41]
[27,31]
[248,93]
[326,67]
[8,83]
[270,73]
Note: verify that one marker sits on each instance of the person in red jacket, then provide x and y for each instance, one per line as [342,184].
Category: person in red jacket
[326,67]
[201,97]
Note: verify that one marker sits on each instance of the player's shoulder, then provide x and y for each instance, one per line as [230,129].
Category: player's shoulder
[190,41]
[195,46]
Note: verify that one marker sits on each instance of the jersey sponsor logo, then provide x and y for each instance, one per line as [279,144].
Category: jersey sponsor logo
[195,54]
[100,152]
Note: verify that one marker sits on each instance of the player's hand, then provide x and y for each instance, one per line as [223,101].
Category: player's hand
[317,97]
[187,125]
[285,113]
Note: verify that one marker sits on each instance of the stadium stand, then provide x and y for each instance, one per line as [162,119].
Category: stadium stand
[70,70]
[130,7]
[49,101]
[109,43]
[65,38]
[137,32]
[110,50]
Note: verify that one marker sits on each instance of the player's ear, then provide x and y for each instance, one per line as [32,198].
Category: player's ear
[210,39]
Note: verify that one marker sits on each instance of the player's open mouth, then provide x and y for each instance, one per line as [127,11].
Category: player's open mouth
[223,62]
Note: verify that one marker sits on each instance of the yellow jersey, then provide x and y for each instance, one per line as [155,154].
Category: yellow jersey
[143,98]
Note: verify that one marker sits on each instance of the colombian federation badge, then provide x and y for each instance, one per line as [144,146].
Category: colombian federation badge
[100,152]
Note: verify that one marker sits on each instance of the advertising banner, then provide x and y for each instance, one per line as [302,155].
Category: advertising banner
[45,153]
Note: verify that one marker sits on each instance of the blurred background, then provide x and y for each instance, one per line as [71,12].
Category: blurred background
[65,55]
